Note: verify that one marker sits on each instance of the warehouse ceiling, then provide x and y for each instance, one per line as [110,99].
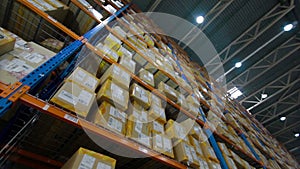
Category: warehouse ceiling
[251,32]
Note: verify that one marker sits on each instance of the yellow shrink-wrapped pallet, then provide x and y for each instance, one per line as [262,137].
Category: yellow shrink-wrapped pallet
[163,144]
[84,158]
[113,94]
[111,118]
[117,75]
[140,95]
[75,98]
[84,79]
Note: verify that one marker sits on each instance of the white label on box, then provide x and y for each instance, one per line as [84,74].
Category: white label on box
[117,92]
[85,97]
[68,97]
[167,144]
[188,152]
[158,140]
[125,75]
[80,75]
[195,157]
[116,113]
[144,139]
[144,116]
[158,127]
[115,124]
[90,82]
[116,70]
[103,166]
[138,127]
[87,162]
[34,58]
[71,118]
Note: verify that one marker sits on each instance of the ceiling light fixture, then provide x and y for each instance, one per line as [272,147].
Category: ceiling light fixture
[238,64]
[288,27]
[297,134]
[200,19]
[263,96]
[282,118]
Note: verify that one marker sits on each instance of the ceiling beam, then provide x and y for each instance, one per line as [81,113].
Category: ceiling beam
[267,62]
[276,114]
[276,103]
[285,129]
[291,140]
[289,115]
[284,79]
[154,5]
[247,37]
[214,12]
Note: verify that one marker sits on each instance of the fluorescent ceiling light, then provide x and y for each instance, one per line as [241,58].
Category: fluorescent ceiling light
[234,92]
[200,19]
[297,134]
[288,27]
[238,64]
[282,118]
[263,96]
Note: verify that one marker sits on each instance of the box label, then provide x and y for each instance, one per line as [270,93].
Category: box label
[103,166]
[85,97]
[87,162]
[68,97]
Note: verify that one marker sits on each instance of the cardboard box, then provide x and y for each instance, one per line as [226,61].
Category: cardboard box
[224,149]
[107,51]
[124,52]
[203,163]
[146,77]
[193,110]
[185,153]
[176,131]
[157,127]
[84,79]
[138,113]
[84,158]
[117,75]
[128,63]
[140,59]
[196,143]
[181,101]
[7,42]
[155,100]
[168,91]
[208,151]
[139,131]
[192,100]
[75,98]
[112,42]
[113,94]
[157,113]
[163,144]
[140,95]
[213,165]
[111,118]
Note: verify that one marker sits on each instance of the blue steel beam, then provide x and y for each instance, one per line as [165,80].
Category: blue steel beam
[40,73]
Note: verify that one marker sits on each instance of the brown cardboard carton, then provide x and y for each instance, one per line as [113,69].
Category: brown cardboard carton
[107,51]
[185,153]
[196,143]
[163,144]
[84,158]
[128,63]
[146,77]
[213,165]
[7,42]
[181,101]
[112,42]
[84,79]
[111,118]
[157,127]
[155,100]
[208,151]
[139,131]
[140,95]
[157,113]
[117,75]
[176,131]
[168,91]
[113,94]
[75,98]
[138,113]
[124,52]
